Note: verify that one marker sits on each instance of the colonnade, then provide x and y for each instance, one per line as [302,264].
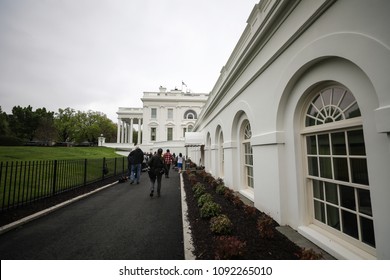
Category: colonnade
[125,130]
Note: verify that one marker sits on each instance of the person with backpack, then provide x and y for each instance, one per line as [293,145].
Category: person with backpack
[136,157]
[156,170]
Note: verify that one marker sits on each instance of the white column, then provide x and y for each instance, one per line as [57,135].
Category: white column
[123,133]
[131,130]
[118,133]
[139,131]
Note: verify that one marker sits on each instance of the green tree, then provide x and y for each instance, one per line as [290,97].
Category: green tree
[66,125]
[46,130]
[92,124]
[4,126]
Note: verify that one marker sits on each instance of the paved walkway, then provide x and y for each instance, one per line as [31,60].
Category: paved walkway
[120,222]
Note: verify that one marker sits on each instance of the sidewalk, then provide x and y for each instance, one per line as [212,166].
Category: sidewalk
[120,222]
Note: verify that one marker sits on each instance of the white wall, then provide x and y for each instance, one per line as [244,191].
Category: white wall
[348,44]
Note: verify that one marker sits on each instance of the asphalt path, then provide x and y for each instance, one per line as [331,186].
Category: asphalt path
[120,222]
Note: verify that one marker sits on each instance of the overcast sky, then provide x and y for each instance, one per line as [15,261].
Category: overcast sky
[103,54]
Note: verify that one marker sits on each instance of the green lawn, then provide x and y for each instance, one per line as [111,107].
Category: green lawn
[24,153]
[31,173]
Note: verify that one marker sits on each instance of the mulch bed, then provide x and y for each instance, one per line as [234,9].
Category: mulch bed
[244,228]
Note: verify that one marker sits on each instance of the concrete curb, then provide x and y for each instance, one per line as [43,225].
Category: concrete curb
[32,217]
[187,241]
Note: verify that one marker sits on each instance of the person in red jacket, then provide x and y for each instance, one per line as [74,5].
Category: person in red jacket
[168,159]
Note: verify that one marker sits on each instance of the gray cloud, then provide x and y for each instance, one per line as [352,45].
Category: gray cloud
[102,54]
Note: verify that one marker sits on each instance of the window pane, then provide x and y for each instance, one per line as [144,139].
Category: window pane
[337,95]
[313,166]
[326,96]
[350,224]
[153,113]
[331,193]
[356,142]
[170,114]
[347,197]
[333,216]
[364,201]
[340,166]
[318,192]
[325,167]
[311,145]
[323,144]
[368,236]
[170,133]
[359,171]
[338,143]
[319,211]
[352,112]
[347,100]
[310,121]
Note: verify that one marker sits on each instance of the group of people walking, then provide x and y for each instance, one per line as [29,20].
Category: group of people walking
[157,165]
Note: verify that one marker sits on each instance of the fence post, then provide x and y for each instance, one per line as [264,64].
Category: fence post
[54,177]
[85,172]
[104,168]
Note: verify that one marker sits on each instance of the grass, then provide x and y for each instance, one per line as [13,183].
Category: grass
[29,173]
[26,153]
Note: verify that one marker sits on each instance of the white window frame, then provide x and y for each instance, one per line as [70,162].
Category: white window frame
[221,155]
[169,133]
[153,134]
[328,183]
[247,155]
[170,114]
[153,113]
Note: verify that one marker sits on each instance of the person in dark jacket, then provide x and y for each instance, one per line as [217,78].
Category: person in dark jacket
[136,157]
[156,170]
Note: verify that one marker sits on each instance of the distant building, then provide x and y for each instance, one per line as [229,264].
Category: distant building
[163,120]
[299,121]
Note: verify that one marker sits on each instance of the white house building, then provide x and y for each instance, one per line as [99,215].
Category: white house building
[162,121]
[299,121]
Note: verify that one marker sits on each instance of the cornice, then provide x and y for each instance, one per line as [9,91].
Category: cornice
[270,24]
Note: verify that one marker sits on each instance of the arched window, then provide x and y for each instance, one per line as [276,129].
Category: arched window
[337,176]
[247,154]
[190,115]
[221,154]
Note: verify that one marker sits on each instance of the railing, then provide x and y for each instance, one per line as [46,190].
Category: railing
[24,182]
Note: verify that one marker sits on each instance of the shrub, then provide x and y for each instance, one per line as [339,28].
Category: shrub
[10,141]
[221,224]
[202,173]
[199,189]
[250,210]
[310,254]
[215,183]
[206,197]
[192,178]
[229,247]
[265,225]
[236,200]
[229,194]
[210,209]
[220,189]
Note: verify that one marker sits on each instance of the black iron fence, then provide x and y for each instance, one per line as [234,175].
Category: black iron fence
[26,181]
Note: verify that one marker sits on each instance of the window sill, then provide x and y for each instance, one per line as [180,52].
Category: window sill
[334,245]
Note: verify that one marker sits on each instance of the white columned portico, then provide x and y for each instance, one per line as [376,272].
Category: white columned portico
[127,118]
